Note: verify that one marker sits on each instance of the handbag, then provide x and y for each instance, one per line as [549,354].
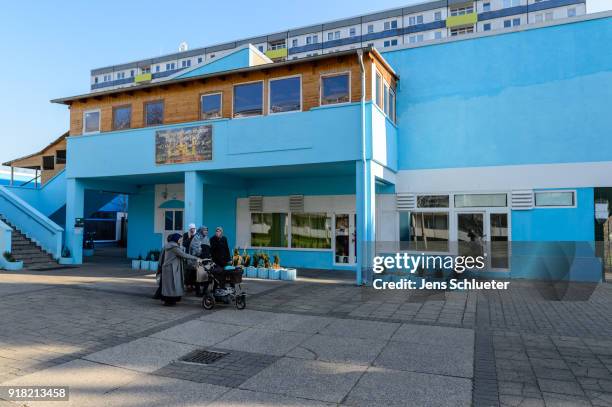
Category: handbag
[201,274]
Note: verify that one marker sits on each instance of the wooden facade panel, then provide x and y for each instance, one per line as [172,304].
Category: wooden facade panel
[182,100]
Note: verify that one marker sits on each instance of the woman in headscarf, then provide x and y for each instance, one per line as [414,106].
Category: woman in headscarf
[199,247]
[171,264]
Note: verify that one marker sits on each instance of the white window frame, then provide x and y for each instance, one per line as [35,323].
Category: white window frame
[330,74]
[573,191]
[220,108]
[99,121]
[263,98]
[301,109]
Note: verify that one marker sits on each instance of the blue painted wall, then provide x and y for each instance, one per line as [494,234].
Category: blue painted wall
[535,96]
[141,236]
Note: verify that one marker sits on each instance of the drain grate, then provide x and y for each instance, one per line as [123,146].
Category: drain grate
[202,357]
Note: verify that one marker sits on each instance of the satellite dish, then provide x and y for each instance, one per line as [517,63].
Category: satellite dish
[183,46]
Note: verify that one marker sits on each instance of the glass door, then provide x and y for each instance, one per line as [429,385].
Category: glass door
[345,242]
[470,234]
[499,242]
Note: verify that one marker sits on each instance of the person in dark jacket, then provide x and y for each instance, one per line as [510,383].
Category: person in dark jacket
[220,254]
[189,267]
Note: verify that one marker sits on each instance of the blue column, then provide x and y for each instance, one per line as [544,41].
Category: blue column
[194,198]
[366,222]
[75,202]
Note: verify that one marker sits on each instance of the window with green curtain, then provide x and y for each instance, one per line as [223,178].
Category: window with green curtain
[269,230]
[310,231]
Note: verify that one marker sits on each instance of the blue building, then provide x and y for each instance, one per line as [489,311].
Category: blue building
[489,143]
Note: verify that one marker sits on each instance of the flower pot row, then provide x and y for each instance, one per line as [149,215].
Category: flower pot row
[271,273]
[145,265]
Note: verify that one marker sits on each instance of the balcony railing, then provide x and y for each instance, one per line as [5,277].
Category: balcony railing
[458,21]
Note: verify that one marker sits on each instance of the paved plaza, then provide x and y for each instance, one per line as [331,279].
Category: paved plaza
[315,342]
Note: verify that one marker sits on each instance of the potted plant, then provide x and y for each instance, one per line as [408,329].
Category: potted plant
[275,271]
[288,274]
[154,260]
[264,264]
[146,263]
[10,263]
[251,267]
[136,263]
[66,257]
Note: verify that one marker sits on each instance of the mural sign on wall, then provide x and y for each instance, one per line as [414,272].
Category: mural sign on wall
[183,145]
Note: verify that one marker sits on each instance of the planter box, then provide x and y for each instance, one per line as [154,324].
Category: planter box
[153,265]
[251,272]
[88,252]
[289,274]
[12,266]
[262,272]
[136,264]
[65,260]
[274,274]
[145,264]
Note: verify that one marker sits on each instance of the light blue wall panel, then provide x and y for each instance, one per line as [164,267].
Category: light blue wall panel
[535,96]
[141,235]
[235,60]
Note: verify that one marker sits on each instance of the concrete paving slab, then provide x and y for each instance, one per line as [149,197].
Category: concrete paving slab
[337,349]
[425,358]
[296,323]
[355,328]
[385,387]
[322,381]
[233,316]
[155,391]
[199,333]
[143,355]
[87,382]
[434,335]
[266,341]
[242,398]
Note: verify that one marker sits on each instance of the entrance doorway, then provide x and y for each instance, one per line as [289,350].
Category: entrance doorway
[173,223]
[345,240]
[480,233]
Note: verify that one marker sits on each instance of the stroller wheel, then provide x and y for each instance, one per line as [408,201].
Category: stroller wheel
[241,301]
[208,302]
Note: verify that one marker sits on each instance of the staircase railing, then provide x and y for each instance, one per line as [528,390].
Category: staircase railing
[36,226]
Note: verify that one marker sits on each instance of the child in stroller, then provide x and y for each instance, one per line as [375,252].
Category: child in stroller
[216,289]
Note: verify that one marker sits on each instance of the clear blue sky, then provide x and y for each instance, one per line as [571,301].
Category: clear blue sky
[48,47]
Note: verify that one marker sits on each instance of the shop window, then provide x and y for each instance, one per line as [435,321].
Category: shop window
[285,95]
[335,89]
[154,113]
[248,99]
[91,121]
[122,117]
[555,198]
[269,230]
[480,200]
[310,231]
[211,106]
[432,201]
[424,231]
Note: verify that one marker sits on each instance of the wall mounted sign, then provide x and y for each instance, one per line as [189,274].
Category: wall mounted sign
[183,145]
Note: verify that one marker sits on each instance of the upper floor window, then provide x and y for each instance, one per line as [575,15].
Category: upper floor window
[248,99]
[132,73]
[96,79]
[437,16]
[370,28]
[170,66]
[390,43]
[571,12]
[122,117]
[48,162]
[462,11]
[285,94]
[415,38]
[294,42]
[352,32]
[460,31]
[91,121]
[330,36]
[199,60]
[186,63]
[486,6]
[486,27]
[278,45]
[391,112]
[438,35]
[107,78]
[337,35]
[555,198]
[315,39]
[378,90]
[120,75]
[335,89]
[414,20]
[154,113]
[511,3]
[211,105]
[157,68]
[390,25]
[60,157]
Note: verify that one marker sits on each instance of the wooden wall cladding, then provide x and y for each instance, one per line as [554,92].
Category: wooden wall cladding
[182,100]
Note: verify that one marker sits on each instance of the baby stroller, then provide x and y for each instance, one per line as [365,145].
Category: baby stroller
[232,293]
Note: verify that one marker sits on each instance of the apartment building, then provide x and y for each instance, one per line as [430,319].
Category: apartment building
[413,26]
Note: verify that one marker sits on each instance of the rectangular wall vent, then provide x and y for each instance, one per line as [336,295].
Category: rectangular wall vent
[522,199]
[296,203]
[405,202]
[256,203]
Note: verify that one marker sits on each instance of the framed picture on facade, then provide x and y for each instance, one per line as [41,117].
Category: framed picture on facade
[183,145]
